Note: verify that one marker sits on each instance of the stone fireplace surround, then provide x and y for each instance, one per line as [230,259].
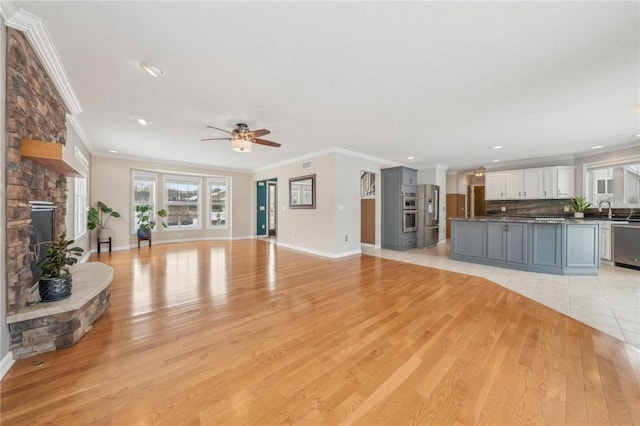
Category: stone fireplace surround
[35,110]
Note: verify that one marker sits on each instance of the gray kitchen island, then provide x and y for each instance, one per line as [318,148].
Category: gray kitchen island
[558,246]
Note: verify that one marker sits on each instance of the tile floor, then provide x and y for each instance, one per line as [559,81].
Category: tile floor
[609,302]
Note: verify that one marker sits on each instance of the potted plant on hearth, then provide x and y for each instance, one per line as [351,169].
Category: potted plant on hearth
[147,220]
[98,218]
[55,279]
[578,205]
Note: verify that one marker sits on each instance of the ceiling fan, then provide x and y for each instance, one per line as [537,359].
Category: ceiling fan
[241,137]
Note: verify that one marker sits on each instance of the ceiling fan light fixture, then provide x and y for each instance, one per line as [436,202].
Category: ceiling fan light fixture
[241,145]
[152,69]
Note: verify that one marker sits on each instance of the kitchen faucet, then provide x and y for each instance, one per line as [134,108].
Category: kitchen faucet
[600,207]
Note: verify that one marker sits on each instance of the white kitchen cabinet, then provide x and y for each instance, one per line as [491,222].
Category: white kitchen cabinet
[494,186]
[558,182]
[521,184]
[532,181]
[531,184]
[566,182]
[512,185]
[605,241]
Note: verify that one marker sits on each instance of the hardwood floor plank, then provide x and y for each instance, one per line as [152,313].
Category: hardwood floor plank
[244,332]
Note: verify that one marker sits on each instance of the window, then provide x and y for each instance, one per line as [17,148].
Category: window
[218,202]
[80,206]
[144,192]
[617,183]
[182,195]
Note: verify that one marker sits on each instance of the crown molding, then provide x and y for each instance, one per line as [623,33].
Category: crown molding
[39,39]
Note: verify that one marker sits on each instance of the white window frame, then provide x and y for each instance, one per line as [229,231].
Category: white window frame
[588,183]
[79,206]
[187,180]
[154,203]
[227,181]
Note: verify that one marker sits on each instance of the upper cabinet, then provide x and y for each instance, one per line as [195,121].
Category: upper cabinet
[558,182]
[494,186]
[548,182]
[409,176]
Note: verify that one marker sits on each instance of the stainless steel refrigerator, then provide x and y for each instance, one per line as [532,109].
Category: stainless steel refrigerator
[428,215]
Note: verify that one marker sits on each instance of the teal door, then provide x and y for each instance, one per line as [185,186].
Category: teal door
[261,207]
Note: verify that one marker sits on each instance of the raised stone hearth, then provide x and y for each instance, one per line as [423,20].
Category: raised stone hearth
[45,327]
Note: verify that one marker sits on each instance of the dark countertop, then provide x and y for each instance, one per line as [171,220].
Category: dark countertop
[518,219]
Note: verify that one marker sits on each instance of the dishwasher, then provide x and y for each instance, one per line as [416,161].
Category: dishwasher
[626,245]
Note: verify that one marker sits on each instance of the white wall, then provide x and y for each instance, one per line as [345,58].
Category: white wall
[337,214]
[305,229]
[456,183]
[111,183]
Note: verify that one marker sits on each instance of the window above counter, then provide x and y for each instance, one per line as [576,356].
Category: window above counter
[615,182]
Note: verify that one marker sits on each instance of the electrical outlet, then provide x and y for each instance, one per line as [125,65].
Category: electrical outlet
[503,209]
[566,208]
[346,238]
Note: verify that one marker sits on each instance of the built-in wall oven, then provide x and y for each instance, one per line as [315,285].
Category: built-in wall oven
[409,211]
[409,220]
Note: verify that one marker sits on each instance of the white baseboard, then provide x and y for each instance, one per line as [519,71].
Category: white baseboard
[6,364]
[373,246]
[318,252]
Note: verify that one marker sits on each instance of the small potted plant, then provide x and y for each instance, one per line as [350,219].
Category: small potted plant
[98,218]
[147,220]
[55,279]
[578,205]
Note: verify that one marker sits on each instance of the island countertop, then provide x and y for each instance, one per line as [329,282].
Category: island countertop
[520,219]
[563,246]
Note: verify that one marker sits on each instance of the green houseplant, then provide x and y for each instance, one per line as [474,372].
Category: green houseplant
[55,279]
[98,218]
[578,205]
[147,219]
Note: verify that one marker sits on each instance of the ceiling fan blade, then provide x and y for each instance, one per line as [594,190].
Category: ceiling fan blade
[258,133]
[222,130]
[216,139]
[266,142]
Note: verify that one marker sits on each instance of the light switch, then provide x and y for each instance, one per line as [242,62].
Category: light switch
[340,207]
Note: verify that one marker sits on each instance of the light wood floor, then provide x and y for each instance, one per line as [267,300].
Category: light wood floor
[245,333]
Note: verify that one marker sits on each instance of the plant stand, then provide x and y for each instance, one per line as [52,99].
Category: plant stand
[104,241]
[144,239]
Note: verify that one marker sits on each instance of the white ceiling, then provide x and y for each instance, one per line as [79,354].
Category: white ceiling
[441,81]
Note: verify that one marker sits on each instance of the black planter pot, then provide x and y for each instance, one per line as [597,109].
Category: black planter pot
[52,289]
[143,235]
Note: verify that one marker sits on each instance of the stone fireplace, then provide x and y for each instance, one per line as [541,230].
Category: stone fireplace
[36,119]
[35,110]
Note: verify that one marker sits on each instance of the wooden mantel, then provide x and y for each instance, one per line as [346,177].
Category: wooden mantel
[53,156]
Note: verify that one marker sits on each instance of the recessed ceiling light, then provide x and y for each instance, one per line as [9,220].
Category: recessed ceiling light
[495,161]
[597,147]
[411,158]
[113,151]
[152,69]
[638,135]
[142,121]
[497,147]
